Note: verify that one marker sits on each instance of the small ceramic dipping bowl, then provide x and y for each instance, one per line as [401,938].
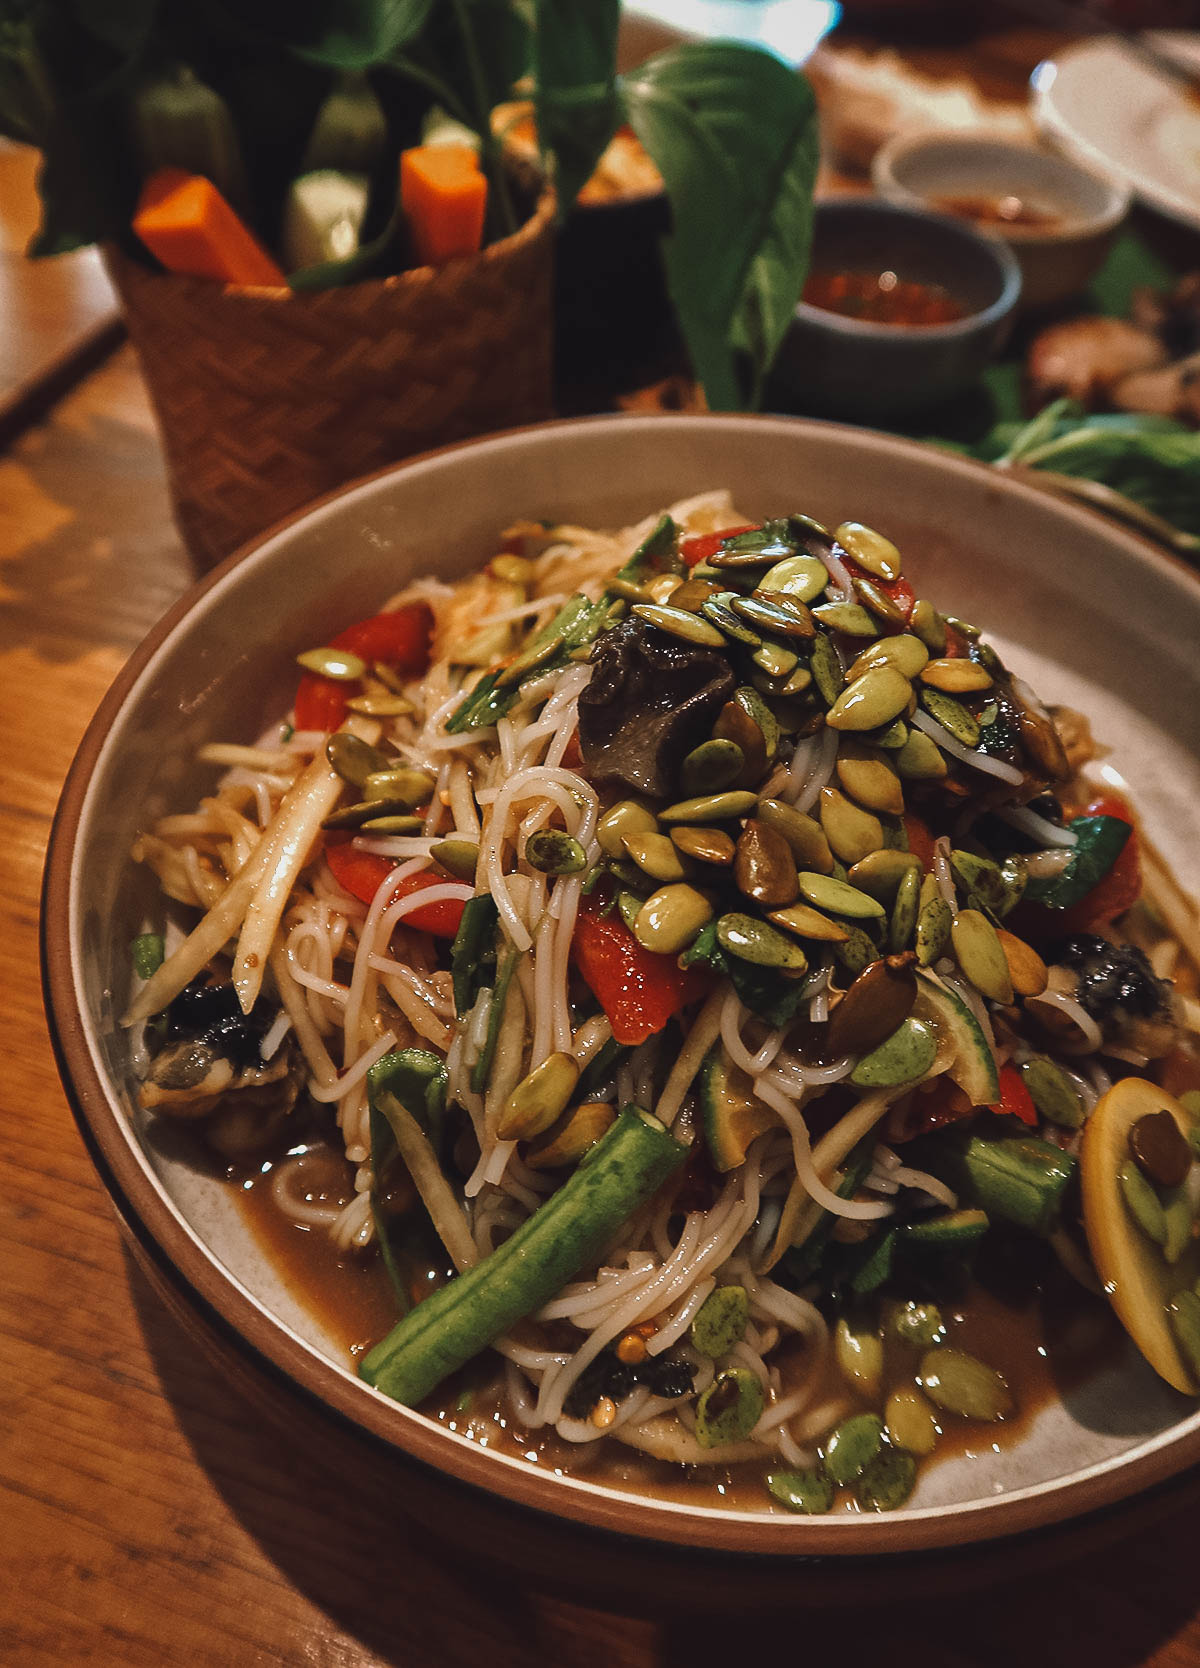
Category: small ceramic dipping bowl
[833,363]
[1057,218]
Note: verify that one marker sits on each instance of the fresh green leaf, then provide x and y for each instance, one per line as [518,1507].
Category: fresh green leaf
[575,92]
[705,951]
[1101,840]
[765,992]
[733,132]
[418,1080]
[353,34]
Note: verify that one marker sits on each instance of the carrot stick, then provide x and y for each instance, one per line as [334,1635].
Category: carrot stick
[184,220]
[444,195]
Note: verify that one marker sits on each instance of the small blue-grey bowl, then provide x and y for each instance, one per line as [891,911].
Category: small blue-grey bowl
[834,365]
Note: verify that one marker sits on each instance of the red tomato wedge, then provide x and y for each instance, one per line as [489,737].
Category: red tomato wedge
[702,546]
[1015,1099]
[920,840]
[638,990]
[400,639]
[362,873]
[899,590]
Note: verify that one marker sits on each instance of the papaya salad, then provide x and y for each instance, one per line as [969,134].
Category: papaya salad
[700,948]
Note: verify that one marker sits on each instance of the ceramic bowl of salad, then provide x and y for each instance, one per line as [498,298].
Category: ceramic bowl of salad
[641,971]
[903,308]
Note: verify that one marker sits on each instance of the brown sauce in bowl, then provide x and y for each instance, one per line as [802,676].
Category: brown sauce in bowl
[883,298]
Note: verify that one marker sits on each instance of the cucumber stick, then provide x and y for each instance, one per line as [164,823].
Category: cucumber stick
[566,1234]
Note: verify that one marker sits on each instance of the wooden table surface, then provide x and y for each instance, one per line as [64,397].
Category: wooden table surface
[148,1516]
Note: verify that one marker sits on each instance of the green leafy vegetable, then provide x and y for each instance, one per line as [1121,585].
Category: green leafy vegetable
[1101,840]
[575,91]
[732,131]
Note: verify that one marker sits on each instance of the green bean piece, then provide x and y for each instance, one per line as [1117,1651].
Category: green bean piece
[473,953]
[720,1321]
[852,1446]
[148,951]
[567,1233]
[887,1481]
[730,1408]
[918,1323]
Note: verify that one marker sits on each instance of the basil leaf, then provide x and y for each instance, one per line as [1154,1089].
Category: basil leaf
[733,132]
[705,951]
[575,92]
[765,993]
[1101,840]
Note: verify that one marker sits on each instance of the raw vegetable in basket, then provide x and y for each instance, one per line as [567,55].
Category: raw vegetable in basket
[293,117]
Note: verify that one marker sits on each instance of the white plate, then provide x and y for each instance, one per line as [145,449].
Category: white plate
[1103,104]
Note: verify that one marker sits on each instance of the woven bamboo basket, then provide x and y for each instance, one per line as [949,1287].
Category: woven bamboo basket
[267,399]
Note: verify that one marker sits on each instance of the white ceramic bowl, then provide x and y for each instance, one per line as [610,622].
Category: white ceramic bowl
[1088,613]
[1057,259]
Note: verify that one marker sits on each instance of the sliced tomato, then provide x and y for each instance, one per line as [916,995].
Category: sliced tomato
[917,1114]
[899,590]
[638,990]
[920,840]
[362,873]
[572,754]
[1015,1099]
[399,638]
[701,547]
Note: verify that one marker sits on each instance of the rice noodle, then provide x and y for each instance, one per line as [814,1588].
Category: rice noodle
[968,755]
[1038,828]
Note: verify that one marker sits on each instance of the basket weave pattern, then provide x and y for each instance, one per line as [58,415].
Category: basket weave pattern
[267,399]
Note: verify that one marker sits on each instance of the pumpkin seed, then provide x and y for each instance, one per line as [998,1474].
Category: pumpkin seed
[926,623]
[838,898]
[856,953]
[956,677]
[964,628]
[919,760]
[354,759]
[809,1492]
[870,1013]
[934,919]
[1052,1092]
[711,807]
[691,593]
[763,867]
[712,766]
[1026,969]
[869,778]
[903,653]
[584,1127]
[338,664]
[512,570]
[1183,1316]
[409,788]
[720,616]
[552,852]
[720,1321]
[757,709]
[981,955]
[802,577]
[876,599]
[656,855]
[887,1482]
[387,676]
[627,816]
[869,549]
[850,618]
[1142,1202]
[752,940]
[961,1383]
[879,695]
[803,834]
[380,706]
[670,918]
[826,667]
[852,833]
[904,911]
[775,661]
[400,822]
[918,1323]
[796,683]
[459,857]
[539,1098]
[706,845]
[1159,1150]
[911,1422]
[809,923]
[369,810]
[894,737]
[629,907]
[952,716]
[735,726]
[679,623]
[904,1057]
[776,613]
[850,1448]
[858,1350]
[730,1408]
[631,589]
[663,586]
[988,886]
